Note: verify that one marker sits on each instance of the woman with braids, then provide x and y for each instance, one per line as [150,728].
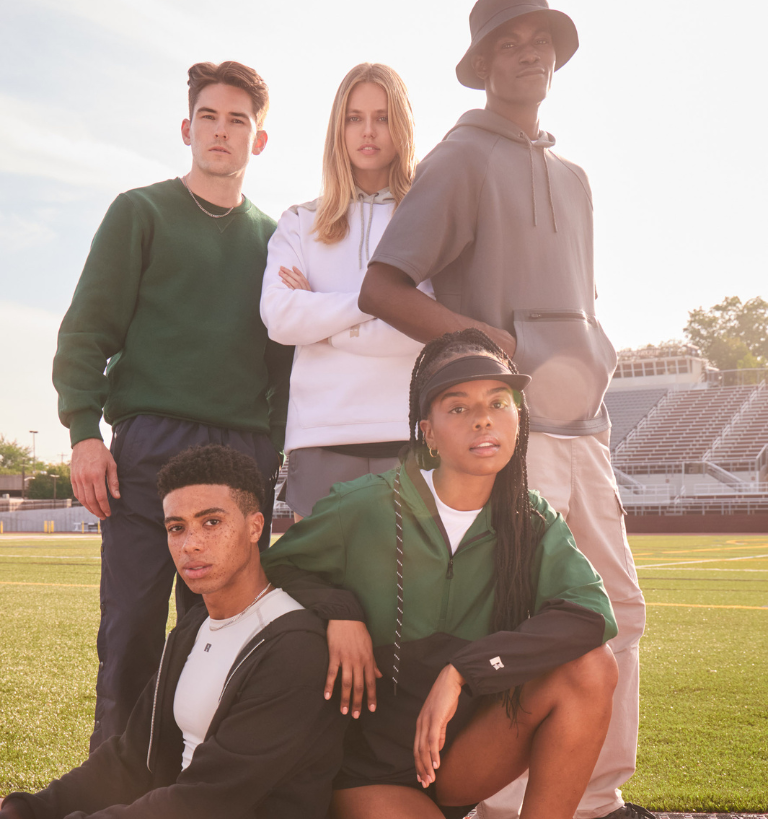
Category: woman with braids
[487,624]
[347,410]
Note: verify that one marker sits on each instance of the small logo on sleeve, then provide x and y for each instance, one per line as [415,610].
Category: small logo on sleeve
[207,647]
[497,663]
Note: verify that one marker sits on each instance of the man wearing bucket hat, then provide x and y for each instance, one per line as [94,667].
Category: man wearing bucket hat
[503,227]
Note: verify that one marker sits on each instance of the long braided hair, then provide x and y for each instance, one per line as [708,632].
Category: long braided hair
[512,516]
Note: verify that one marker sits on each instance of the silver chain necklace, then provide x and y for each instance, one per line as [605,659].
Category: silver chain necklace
[207,212]
[233,620]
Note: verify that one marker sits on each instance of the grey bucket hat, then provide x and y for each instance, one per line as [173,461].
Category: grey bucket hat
[488,15]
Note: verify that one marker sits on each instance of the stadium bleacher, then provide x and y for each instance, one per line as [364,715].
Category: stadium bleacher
[745,440]
[683,429]
[627,409]
[281,508]
[688,439]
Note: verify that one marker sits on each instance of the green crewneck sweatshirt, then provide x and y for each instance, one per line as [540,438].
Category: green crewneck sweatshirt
[168,304]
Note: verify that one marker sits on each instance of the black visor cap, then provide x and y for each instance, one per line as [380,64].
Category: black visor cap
[469,368]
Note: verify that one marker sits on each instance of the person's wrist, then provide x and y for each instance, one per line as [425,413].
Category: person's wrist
[455,676]
[84,425]
[88,442]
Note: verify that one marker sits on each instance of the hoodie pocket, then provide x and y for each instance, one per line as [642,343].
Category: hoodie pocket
[570,360]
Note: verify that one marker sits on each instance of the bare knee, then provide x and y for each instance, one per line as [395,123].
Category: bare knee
[594,674]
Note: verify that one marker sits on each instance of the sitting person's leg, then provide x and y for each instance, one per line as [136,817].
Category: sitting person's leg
[561,725]
[235,723]
[374,801]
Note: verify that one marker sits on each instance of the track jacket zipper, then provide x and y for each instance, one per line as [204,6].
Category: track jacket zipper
[234,669]
[242,657]
[154,702]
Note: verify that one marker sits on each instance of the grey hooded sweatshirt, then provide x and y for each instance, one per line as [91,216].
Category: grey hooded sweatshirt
[503,227]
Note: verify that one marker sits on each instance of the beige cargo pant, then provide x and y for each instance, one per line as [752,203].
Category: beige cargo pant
[575,476]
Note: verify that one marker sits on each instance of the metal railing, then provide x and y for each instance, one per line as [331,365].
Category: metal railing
[761,462]
[722,475]
[25,504]
[753,396]
[744,488]
[622,479]
[647,494]
[726,429]
[643,421]
[757,505]
[736,378]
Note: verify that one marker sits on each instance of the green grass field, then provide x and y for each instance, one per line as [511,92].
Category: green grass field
[704,680]
[704,688]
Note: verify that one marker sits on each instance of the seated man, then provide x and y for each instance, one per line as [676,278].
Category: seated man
[235,723]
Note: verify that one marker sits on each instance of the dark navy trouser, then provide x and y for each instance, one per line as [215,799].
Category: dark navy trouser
[136,569]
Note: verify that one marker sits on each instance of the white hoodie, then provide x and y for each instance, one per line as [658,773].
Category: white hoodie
[351,372]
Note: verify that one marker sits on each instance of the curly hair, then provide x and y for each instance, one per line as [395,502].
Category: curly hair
[216,465]
[512,517]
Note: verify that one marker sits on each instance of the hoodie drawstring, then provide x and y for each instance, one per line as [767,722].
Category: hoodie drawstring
[549,190]
[368,235]
[533,186]
[533,183]
[365,231]
[362,231]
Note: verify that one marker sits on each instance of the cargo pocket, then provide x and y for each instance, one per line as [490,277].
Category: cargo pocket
[629,561]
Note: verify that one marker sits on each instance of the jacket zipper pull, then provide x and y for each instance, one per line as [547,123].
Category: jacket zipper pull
[449,573]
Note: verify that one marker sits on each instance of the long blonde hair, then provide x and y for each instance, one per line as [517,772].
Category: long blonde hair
[338,178]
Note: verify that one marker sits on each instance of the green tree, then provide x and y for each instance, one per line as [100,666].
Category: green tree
[733,334]
[41,486]
[13,456]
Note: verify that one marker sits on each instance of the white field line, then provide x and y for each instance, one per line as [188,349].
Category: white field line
[56,557]
[48,536]
[707,569]
[708,560]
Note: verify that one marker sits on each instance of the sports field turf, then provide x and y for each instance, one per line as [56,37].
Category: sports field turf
[704,690]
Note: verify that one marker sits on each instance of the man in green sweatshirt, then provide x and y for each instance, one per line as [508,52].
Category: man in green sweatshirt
[164,337]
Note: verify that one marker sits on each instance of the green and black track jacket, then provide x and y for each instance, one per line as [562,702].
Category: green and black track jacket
[349,543]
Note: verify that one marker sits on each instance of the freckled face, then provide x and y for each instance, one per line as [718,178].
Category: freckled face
[211,542]
[474,427]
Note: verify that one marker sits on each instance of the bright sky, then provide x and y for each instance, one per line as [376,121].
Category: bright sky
[663,105]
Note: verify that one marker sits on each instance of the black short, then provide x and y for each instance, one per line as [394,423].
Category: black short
[344,781]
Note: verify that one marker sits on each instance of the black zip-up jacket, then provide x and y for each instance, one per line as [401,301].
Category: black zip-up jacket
[272,749]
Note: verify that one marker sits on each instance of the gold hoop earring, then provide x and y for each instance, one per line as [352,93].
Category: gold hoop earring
[433,454]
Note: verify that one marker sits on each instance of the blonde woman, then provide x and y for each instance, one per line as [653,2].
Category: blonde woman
[348,413]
